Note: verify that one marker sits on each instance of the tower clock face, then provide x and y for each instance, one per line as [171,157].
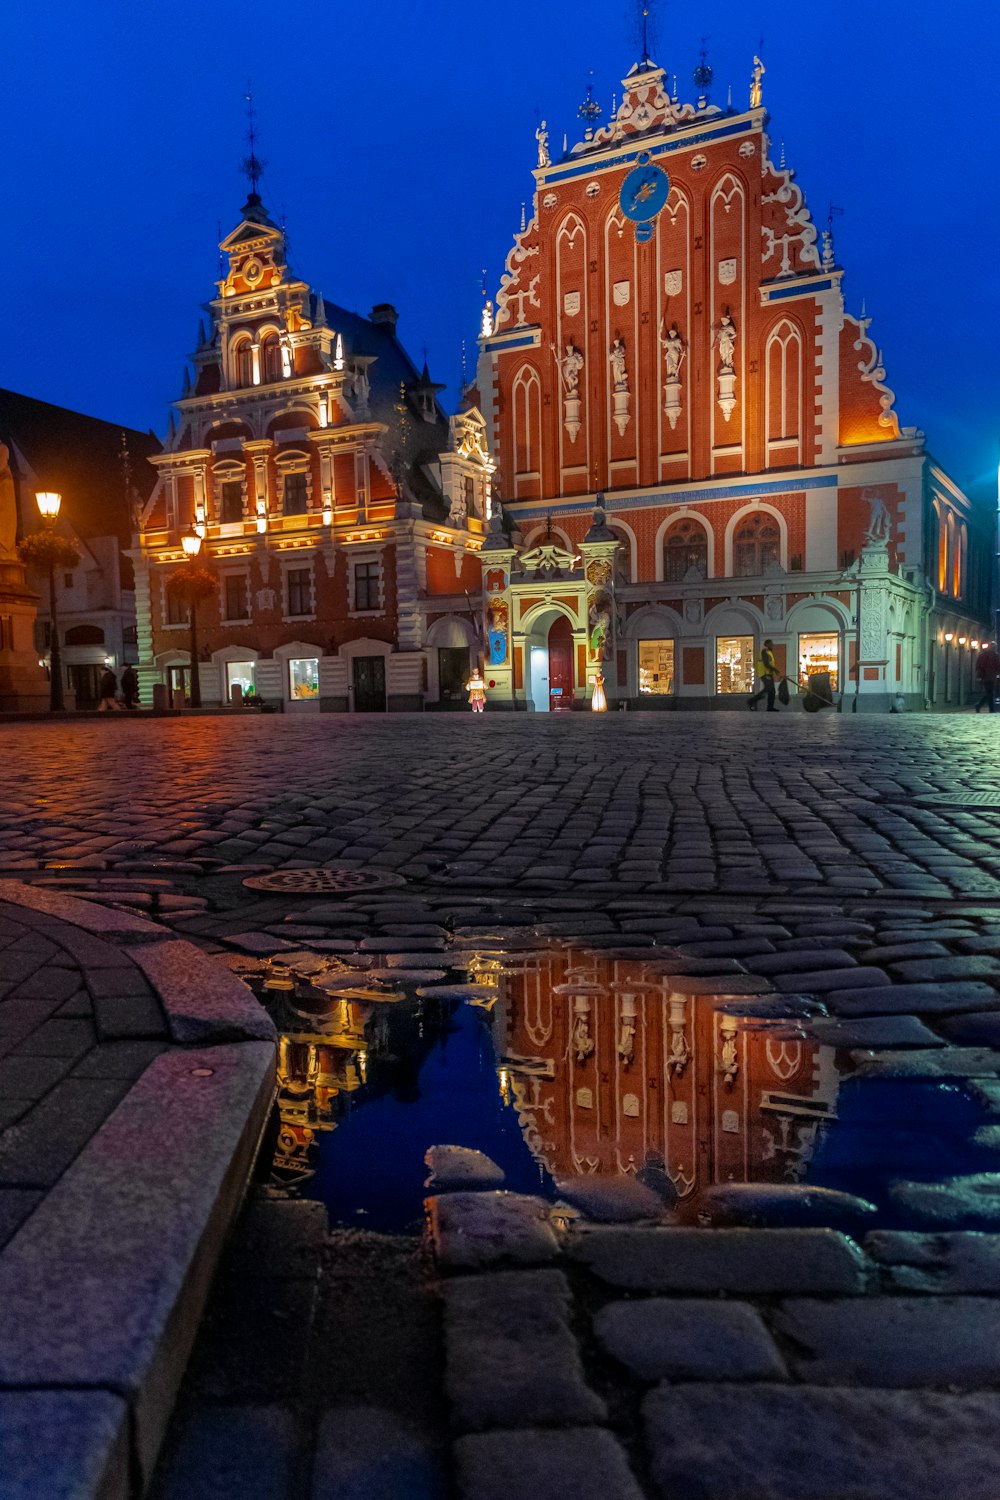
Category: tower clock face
[643,195]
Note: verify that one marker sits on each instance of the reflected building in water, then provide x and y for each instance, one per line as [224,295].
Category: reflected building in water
[612,1065]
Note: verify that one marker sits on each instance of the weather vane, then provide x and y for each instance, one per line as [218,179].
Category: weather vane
[252,165]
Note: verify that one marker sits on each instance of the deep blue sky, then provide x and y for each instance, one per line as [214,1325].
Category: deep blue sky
[400,140]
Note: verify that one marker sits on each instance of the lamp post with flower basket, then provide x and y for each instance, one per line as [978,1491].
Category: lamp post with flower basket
[44,551]
[192,583]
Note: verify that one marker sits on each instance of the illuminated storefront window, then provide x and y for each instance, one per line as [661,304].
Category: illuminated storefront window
[656,666]
[239,674]
[734,658]
[303,677]
[820,653]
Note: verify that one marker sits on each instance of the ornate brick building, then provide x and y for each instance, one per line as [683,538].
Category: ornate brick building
[341,512]
[671,341]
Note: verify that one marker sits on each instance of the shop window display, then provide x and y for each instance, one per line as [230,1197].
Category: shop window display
[820,653]
[734,659]
[303,677]
[656,666]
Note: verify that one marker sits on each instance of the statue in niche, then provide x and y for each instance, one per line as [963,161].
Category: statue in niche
[570,364]
[879,520]
[725,340]
[673,351]
[619,374]
[8,509]
[542,137]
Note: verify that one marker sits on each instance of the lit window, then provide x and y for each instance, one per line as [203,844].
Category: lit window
[243,360]
[819,653]
[296,494]
[756,545]
[235,585]
[734,659]
[303,677]
[239,674]
[366,585]
[685,547]
[656,666]
[270,358]
[298,581]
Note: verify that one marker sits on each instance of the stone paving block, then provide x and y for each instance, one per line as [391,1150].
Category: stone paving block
[102,921]
[203,1001]
[825,981]
[126,1059]
[873,1031]
[746,1261]
[108,982]
[282,1236]
[609,1199]
[64,1445]
[942,1062]
[57,1037]
[510,1357]
[47,983]
[37,1150]
[926,970]
[123,1017]
[227,1451]
[473,1230]
[15,1206]
[371,1453]
[774,1442]
[801,961]
[971,1202]
[786,1205]
[689,1339]
[892,951]
[964,1261]
[254,1344]
[29,1077]
[975,1028]
[894,1341]
[581,1464]
[920,999]
[457,1167]
[103,1285]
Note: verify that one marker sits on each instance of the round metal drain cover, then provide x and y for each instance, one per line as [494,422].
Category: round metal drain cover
[959,799]
[323,882]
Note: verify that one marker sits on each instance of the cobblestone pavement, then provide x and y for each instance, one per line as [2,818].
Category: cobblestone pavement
[851,861]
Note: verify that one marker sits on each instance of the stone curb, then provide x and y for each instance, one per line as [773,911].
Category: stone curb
[104,1285]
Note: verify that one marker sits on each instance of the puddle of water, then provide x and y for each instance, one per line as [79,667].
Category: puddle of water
[572,1063]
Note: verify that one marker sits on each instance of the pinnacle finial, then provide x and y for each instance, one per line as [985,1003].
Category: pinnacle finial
[252,165]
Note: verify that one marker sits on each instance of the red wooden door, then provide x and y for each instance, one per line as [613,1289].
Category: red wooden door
[561,665]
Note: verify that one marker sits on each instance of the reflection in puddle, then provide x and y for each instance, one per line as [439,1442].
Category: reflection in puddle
[568,1063]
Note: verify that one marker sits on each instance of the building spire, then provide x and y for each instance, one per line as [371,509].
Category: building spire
[252,165]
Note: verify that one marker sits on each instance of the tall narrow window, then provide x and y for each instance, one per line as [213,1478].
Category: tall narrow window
[366,585]
[299,585]
[296,494]
[270,358]
[243,363]
[231,502]
[235,596]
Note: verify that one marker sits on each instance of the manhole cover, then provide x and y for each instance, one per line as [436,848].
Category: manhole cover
[329,882]
[959,799]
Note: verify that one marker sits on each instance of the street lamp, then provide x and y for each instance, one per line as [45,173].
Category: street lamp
[191,542]
[48,505]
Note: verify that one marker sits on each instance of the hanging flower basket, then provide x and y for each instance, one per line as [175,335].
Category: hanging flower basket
[47,549]
[191,584]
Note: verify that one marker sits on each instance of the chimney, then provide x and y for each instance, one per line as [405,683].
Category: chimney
[385,315]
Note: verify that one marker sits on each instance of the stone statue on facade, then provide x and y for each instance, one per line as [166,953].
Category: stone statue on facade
[542,137]
[619,374]
[673,351]
[879,520]
[756,89]
[725,339]
[8,509]
[570,364]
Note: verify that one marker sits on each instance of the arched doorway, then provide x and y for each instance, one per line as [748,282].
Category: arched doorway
[548,658]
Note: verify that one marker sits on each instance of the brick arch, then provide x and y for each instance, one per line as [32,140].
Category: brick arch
[739,519]
[783,392]
[526,406]
[667,525]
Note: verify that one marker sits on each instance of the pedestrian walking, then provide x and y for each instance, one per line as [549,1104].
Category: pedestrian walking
[476,689]
[988,670]
[130,687]
[767,671]
[109,690]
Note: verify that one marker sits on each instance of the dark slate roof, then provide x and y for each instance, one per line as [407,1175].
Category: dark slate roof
[53,448]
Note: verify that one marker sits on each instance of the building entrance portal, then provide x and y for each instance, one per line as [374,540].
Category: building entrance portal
[549,663]
[561,665]
[369,685]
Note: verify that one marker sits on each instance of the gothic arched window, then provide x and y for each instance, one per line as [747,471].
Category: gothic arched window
[756,545]
[685,546]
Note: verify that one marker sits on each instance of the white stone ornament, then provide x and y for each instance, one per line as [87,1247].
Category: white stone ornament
[621,292]
[727,272]
[699,163]
[550,200]
[672,283]
[674,350]
[619,384]
[725,341]
[571,303]
[592,189]
[747,149]
[570,366]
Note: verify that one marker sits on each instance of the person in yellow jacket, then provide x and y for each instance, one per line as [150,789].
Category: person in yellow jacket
[767,671]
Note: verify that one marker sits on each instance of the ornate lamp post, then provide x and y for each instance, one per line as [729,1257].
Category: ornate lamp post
[191,542]
[48,505]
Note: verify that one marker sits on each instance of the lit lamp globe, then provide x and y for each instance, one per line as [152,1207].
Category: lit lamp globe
[48,504]
[190,541]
